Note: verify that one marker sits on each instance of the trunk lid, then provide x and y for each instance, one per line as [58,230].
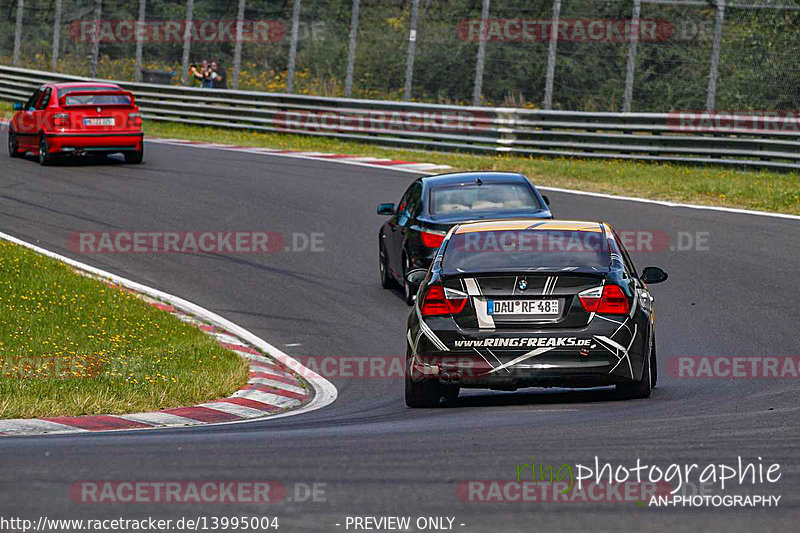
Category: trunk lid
[541,299]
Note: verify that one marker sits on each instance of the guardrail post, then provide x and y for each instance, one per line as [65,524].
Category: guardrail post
[18,31]
[56,37]
[476,92]
[627,99]
[412,44]
[237,51]
[187,41]
[551,56]
[293,46]
[137,70]
[351,51]
[98,9]
[711,94]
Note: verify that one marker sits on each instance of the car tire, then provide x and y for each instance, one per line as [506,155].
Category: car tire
[643,386]
[408,296]
[387,281]
[13,144]
[423,394]
[135,157]
[45,158]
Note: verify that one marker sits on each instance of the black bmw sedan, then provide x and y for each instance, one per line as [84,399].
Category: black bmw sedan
[432,205]
[509,304]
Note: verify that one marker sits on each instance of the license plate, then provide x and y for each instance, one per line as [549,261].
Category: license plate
[99,121]
[523,307]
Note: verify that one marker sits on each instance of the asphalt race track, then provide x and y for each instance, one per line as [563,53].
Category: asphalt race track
[375,456]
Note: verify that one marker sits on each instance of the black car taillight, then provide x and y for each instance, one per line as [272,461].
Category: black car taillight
[442,301]
[606,300]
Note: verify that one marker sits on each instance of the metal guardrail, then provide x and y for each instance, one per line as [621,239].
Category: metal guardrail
[639,136]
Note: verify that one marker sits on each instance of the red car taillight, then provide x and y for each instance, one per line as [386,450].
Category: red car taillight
[440,301]
[61,120]
[134,120]
[606,300]
[432,239]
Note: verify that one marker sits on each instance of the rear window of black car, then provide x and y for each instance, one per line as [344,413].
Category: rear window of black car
[525,249]
[486,197]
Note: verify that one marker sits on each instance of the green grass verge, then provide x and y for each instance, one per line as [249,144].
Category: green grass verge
[72,345]
[707,185]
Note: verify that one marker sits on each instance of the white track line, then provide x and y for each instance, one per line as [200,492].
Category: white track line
[324,391]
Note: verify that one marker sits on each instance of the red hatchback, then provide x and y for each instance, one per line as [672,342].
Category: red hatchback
[77,119]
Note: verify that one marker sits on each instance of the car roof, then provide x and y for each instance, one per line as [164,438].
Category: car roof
[456,178]
[86,84]
[532,224]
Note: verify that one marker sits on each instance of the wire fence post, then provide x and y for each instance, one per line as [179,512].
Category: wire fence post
[98,10]
[627,99]
[412,45]
[551,56]
[711,94]
[56,37]
[237,51]
[18,31]
[137,70]
[293,46]
[351,51]
[476,92]
[187,41]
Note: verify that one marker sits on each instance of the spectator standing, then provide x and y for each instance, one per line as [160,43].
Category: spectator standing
[218,76]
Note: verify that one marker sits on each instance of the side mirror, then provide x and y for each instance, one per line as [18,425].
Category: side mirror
[546,200]
[415,279]
[653,275]
[386,209]
[17,106]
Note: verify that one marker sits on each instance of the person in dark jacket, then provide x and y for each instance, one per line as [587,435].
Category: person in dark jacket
[218,76]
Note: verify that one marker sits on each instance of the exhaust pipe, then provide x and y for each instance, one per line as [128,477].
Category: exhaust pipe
[454,377]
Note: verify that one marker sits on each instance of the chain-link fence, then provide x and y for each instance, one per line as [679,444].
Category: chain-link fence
[589,55]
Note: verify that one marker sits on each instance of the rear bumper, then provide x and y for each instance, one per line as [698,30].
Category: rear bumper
[94,142]
[553,370]
[601,353]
